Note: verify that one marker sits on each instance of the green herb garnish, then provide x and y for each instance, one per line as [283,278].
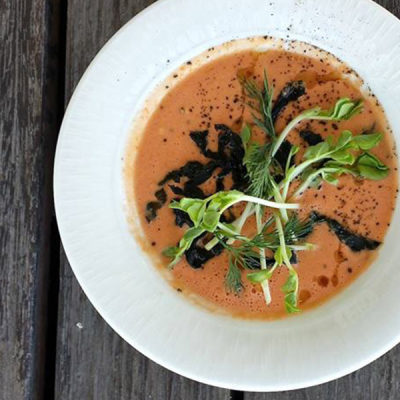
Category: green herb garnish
[280,233]
[263,98]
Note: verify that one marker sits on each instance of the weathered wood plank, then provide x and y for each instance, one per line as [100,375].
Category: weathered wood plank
[93,362]
[392,5]
[379,380]
[28,130]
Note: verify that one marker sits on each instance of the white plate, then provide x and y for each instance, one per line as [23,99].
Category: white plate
[347,333]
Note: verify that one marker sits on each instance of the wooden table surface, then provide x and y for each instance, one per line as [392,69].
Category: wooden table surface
[53,343]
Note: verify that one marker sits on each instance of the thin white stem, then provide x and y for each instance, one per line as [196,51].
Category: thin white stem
[264,284]
[296,172]
[286,260]
[282,242]
[238,224]
[307,246]
[249,210]
[268,203]
[266,290]
[254,200]
[259,230]
[304,186]
[211,244]
[286,132]
[226,229]
[279,198]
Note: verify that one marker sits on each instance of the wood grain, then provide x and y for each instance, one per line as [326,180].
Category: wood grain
[28,131]
[378,381]
[391,5]
[93,362]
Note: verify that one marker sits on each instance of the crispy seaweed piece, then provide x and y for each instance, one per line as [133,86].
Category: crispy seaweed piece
[197,256]
[193,170]
[174,175]
[161,196]
[151,210]
[355,242]
[229,157]
[291,92]
[231,154]
[192,191]
[283,153]
[177,190]
[311,138]
[182,218]
[153,206]
[200,139]
[229,143]
[203,173]
[294,259]
[228,160]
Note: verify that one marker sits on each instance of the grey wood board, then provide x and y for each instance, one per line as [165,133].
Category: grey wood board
[93,362]
[27,142]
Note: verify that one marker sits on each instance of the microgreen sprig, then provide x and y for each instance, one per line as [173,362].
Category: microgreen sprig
[342,160]
[263,98]
[283,233]
[206,216]
[343,110]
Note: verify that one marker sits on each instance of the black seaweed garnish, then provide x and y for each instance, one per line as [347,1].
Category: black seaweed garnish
[176,190]
[228,159]
[355,242]
[291,92]
[200,138]
[151,210]
[193,170]
[174,175]
[161,196]
[182,218]
[228,217]
[153,206]
[192,191]
[294,259]
[197,256]
[311,138]
[283,153]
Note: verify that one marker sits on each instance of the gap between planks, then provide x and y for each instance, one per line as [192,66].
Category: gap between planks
[53,111]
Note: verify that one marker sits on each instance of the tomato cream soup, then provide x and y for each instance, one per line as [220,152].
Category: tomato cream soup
[187,143]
